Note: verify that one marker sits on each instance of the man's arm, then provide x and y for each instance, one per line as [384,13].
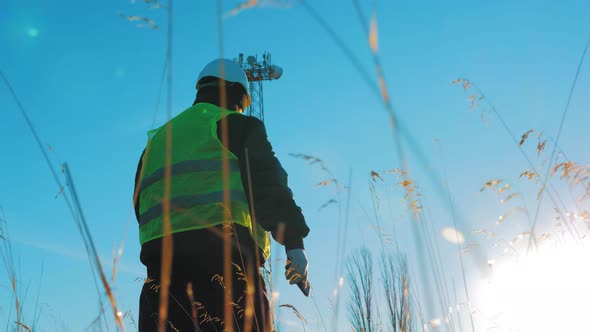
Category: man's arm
[273,203]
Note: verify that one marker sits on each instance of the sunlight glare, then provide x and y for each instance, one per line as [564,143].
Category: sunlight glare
[544,291]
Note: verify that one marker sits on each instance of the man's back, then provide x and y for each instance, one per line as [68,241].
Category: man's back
[272,198]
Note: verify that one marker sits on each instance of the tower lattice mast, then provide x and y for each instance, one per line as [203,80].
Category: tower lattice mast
[257,72]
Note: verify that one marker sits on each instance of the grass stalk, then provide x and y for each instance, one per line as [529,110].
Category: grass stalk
[7,257]
[559,131]
[360,276]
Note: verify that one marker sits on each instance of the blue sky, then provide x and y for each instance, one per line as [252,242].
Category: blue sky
[89,80]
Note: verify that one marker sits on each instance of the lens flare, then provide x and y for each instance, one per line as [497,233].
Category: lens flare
[33,32]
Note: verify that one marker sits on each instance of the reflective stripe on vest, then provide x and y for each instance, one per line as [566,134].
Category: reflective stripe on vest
[188,166]
[197,181]
[186,202]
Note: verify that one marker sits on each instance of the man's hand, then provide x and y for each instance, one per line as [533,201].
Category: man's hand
[296,267]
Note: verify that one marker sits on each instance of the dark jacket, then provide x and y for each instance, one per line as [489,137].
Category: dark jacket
[272,199]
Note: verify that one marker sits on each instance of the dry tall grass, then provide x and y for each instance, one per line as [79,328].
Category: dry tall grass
[361,305]
[365,306]
[7,256]
[402,313]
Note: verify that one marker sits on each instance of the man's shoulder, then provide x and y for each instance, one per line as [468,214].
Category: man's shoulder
[244,121]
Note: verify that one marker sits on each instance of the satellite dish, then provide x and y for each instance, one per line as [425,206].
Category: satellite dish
[277,72]
[251,60]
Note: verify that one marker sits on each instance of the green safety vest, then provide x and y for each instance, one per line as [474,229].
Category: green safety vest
[196,182]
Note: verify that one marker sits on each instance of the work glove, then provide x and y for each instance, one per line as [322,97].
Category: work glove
[296,267]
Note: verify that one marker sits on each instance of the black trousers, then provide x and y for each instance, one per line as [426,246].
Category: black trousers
[197,292]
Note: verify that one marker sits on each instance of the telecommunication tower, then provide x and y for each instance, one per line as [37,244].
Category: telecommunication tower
[258,71]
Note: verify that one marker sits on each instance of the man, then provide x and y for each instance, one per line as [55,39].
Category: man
[250,192]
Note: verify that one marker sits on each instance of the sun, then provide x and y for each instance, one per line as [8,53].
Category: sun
[548,290]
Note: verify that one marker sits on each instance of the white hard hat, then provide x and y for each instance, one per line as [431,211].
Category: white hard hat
[232,72]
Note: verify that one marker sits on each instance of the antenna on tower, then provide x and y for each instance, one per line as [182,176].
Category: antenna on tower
[257,72]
